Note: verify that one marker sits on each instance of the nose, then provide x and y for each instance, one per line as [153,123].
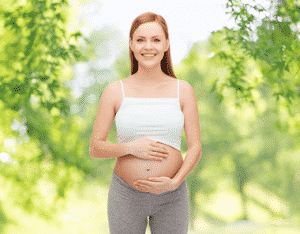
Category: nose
[148,45]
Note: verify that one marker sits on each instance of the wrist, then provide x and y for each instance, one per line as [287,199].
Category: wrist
[127,147]
[176,182]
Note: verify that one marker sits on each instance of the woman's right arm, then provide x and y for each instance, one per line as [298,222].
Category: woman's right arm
[99,147]
[104,149]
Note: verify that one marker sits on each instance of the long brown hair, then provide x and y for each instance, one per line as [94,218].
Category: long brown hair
[166,63]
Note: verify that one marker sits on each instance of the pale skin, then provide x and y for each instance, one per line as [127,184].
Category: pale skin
[151,73]
[149,82]
[150,38]
[132,169]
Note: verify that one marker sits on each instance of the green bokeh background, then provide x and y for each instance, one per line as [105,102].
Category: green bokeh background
[247,180]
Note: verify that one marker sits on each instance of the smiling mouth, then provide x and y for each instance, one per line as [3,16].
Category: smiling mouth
[149,56]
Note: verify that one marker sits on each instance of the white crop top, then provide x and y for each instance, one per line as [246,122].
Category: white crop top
[159,119]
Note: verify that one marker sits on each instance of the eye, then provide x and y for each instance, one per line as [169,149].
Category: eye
[142,39]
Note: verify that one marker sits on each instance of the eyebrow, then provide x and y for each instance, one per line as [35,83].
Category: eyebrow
[152,37]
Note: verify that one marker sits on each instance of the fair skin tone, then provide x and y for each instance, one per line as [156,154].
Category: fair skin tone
[149,38]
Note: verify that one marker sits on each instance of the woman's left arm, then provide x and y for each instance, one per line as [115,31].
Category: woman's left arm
[192,133]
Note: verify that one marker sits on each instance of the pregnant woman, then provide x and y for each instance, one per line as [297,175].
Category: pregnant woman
[151,107]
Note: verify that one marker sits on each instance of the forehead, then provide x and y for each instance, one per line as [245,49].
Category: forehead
[151,28]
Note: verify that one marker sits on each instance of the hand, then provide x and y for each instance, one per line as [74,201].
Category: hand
[156,185]
[147,149]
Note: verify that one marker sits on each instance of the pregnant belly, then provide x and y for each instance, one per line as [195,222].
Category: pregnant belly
[131,168]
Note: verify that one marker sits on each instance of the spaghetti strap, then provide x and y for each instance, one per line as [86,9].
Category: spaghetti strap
[122,88]
[138,117]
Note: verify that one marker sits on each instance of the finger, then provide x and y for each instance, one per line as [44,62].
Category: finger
[159,146]
[156,179]
[143,189]
[142,186]
[142,183]
[146,186]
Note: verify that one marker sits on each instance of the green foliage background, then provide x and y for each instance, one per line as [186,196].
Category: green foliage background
[248,101]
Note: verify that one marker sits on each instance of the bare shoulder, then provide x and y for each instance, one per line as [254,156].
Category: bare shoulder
[186,91]
[114,90]
[185,86]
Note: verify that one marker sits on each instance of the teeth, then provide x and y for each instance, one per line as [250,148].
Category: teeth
[148,55]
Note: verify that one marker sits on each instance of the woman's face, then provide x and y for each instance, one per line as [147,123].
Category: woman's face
[149,38]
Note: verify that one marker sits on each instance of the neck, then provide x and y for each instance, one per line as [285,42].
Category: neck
[152,75]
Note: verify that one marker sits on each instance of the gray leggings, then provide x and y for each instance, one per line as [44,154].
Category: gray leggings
[128,209]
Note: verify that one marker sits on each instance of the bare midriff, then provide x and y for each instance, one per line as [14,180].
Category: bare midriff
[131,168]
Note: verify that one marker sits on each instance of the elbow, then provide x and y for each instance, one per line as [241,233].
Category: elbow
[92,151]
[200,153]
